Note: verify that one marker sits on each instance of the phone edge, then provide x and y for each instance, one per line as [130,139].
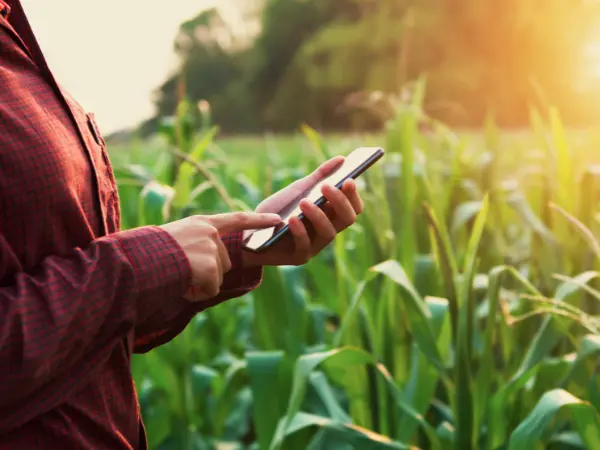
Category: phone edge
[321,200]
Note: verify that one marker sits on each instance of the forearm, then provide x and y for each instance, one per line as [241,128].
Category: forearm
[166,324]
[72,307]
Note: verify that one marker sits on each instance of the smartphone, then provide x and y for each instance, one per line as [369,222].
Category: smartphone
[355,164]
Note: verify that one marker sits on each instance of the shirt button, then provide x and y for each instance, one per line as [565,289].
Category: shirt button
[4,9]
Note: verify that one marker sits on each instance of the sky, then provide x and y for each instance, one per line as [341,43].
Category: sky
[111,54]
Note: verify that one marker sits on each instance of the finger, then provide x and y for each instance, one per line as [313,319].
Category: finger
[325,231]
[329,211]
[351,191]
[196,294]
[325,170]
[344,213]
[302,245]
[240,221]
[301,188]
[224,260]
[211,285]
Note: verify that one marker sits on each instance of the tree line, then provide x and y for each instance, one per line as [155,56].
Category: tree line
[316,61]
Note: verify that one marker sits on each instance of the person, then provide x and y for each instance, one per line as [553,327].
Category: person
[78,296]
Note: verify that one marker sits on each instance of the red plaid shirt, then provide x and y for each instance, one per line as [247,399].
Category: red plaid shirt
[77,296]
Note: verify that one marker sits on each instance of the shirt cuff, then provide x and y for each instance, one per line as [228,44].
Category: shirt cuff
[239,278]
[161,269]
[169,321]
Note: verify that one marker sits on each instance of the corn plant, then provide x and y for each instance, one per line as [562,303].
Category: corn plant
[439,321]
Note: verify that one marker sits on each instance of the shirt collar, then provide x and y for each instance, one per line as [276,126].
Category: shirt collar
[4,9]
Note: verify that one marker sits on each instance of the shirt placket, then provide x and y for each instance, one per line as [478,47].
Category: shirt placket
[32,47]
[94,150]
[85,127]
[110,195]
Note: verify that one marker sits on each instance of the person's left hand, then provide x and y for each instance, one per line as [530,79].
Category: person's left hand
[304,242]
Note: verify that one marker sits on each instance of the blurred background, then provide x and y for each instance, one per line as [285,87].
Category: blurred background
[267,65]
[461,311]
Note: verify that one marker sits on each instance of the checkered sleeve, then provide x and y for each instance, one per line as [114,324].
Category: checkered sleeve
[170,320]
[80,305]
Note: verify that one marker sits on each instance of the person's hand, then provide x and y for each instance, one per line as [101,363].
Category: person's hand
[304,242]
[200,239]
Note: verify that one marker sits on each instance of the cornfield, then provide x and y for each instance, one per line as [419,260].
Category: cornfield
[460,312]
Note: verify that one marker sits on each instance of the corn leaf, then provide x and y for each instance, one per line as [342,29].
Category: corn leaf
[185,175]
[340,364]
[419,316]
[531,431]
[345,433]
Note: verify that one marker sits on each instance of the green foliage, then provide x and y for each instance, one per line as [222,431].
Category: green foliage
[312,61]
[468,338]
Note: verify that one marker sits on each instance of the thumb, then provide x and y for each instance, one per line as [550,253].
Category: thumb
[324,170]
[289,196]
[240,221]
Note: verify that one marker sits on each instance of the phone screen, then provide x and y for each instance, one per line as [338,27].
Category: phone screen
[353,164]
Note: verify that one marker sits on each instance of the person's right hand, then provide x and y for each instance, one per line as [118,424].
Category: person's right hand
[200,239]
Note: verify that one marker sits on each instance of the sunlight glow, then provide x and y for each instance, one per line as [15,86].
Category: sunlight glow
[110,55]
[591,54]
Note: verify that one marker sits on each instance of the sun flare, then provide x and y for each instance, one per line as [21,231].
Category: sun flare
[591,55]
